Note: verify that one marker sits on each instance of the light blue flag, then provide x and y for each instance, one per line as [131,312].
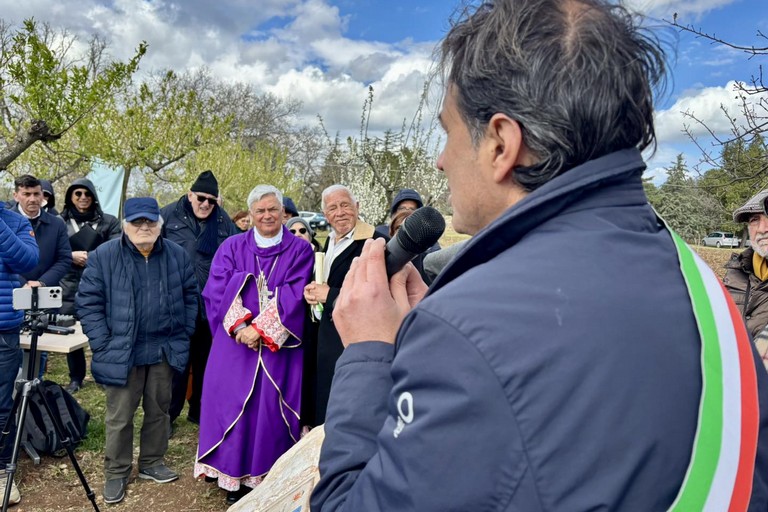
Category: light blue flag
[109,183]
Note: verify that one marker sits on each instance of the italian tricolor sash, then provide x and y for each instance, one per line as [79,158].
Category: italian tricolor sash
[719,476]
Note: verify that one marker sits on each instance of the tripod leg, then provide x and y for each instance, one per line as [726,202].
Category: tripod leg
[11,415]
[66,441]
[22,397]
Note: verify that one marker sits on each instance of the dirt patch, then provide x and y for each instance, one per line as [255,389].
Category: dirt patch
[715,258]
[54,485]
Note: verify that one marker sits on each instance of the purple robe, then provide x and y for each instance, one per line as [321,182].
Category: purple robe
[251,399]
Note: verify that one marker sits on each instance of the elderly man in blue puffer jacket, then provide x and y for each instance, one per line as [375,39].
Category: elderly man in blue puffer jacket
[137,302]
[18,253]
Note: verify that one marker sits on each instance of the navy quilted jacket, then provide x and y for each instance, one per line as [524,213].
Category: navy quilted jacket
[105,304]
[18,253]
[554,365]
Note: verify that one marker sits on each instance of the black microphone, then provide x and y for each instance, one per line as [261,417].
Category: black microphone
[418,233]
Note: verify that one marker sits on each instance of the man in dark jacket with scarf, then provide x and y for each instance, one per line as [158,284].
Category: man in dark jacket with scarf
[137,303]
[88,227]
[18,253]
[198,224]
[746,276]
[576,354]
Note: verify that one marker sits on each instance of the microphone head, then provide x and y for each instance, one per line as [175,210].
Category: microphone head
[421,230]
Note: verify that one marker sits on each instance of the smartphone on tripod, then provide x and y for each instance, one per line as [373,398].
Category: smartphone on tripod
[48,297]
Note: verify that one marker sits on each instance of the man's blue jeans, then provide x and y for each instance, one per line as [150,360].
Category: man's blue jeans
[10,360]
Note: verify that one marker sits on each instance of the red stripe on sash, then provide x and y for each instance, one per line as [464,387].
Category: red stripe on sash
[750,412]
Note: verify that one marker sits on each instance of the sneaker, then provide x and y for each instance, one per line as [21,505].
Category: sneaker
[73,387]
[15,495]
[160,474]
[114,490]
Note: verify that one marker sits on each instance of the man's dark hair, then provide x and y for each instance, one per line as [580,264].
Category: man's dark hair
[578,75]
[26,181]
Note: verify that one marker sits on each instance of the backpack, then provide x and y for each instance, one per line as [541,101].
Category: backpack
[39,429]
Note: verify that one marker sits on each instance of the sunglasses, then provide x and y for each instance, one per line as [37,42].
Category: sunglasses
[202,199]
[81,193]
[303,231]
[137,223]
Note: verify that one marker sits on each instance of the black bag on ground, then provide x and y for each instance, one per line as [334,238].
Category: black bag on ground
[39,429]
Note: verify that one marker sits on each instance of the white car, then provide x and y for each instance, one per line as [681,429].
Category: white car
[720,239]
[315,220]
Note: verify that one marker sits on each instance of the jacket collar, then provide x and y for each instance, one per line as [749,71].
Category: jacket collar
[44,216]
[546,202]
[741,261]
[126,242]
[363,230]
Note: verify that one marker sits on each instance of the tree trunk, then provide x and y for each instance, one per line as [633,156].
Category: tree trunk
[123,191]
[39,130]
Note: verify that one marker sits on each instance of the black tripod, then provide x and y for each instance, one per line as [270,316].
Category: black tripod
[24,389]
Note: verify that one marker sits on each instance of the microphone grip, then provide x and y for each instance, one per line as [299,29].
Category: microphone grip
[395,257]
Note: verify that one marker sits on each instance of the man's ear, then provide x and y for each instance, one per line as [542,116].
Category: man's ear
[505,137]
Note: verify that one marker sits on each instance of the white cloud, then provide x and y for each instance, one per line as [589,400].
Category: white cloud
[292,48]
[666,8]
[709,106]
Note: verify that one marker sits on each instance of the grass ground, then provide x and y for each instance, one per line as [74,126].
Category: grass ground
[54,486]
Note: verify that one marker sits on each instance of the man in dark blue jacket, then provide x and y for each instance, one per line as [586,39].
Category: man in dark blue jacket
[18,253]
[198,224]
[51,236]
[137,303]
[556,362]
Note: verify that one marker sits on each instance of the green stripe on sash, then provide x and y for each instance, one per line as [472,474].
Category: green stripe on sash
[706,450]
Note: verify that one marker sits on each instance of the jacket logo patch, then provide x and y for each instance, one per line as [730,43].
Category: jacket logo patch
[404,412]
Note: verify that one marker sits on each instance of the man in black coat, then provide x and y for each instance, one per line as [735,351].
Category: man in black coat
[87,227]
[345,241]
[198,224]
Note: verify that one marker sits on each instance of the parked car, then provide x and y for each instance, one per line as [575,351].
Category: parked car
[720,239]
[316,220]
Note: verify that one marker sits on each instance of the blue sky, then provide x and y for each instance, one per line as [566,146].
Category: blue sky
[325,53]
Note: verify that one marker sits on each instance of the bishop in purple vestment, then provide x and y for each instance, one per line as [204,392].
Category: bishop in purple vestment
[252,387]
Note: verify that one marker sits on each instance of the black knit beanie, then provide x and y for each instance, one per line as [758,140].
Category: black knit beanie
[206,183]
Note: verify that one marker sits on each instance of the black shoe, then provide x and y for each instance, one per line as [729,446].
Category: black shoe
[114,490]
[73,387]
[193,419]
[234,496]
[210,479]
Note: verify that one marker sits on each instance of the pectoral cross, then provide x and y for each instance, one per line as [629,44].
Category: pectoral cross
[264,294]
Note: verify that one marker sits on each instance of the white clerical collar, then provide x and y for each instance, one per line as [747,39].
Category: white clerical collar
[265,242]
[21,211]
